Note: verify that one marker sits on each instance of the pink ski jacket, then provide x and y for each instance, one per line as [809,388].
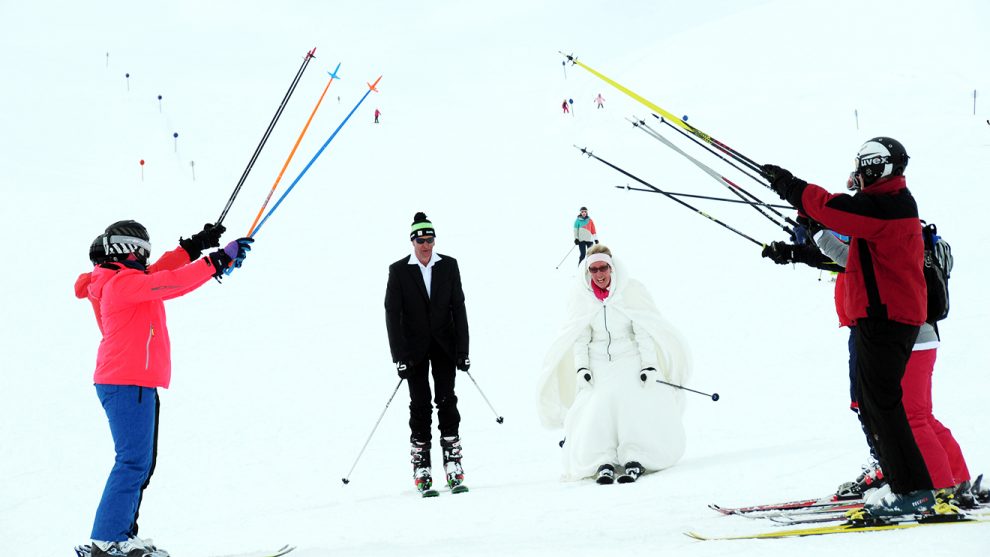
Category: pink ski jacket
[130,312]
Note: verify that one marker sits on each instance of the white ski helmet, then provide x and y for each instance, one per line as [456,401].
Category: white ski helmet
[880,157]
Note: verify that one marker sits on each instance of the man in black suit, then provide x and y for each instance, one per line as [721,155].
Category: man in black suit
[428,327]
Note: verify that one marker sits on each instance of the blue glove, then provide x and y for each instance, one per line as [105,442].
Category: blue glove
[237,251]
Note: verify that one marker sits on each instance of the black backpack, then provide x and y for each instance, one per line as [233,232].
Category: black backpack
[938,266]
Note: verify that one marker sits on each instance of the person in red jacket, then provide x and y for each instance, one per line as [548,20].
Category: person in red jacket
[886,297]
[133,359]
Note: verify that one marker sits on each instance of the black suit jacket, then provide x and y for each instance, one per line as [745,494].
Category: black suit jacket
[414,318]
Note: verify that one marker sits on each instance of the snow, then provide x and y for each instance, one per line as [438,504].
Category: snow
[280,373]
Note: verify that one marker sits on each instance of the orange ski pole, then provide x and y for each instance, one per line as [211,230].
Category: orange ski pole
[333,75]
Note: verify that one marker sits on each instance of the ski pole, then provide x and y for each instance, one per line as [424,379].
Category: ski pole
[371,87]
[719,155]
[292,152]
[687,127]
[498,418]
[732,186]
[346,479]
[264,138]
[566,256]
[723,199]
[658,190]
[713,396]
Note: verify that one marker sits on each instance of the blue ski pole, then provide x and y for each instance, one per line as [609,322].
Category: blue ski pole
[371,87]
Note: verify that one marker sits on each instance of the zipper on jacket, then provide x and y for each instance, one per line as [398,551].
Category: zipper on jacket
[147,347]
[608,347]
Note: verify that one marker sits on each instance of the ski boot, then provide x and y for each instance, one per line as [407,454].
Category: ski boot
[134,547]
[633,471]
[870,478]
[451,446]
[605,474]
[422,474]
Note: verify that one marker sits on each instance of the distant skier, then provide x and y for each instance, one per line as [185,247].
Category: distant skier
[377,114]
[599,378]
[584,233]
[427,328]
[133,359]
[600,100]
[564,106]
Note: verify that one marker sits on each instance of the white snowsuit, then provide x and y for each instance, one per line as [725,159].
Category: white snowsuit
[617,418]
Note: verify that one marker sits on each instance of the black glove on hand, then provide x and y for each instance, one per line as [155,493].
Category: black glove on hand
[781,180]
[596,242]
[220,261]
[404,369]
[576,242]
[208,237]
[780,253]
[463,363]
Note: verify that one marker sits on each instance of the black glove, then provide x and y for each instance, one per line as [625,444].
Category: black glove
[781,180]
[596,242]
[780,253]
[463,363]
[220,261]
[576,242]
[648,375]
[404,368]
[208,237]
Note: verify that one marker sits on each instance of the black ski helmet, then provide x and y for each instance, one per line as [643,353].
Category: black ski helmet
[125,237]
[97,253]
[880,157]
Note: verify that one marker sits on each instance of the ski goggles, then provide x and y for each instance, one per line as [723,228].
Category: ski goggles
[425,240]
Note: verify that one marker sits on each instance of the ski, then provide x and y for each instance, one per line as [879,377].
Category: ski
[849,527]
[86,551]
[429,493]
[459,488]
[828,501]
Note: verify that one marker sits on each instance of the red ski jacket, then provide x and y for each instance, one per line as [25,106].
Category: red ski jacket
[884,275]
[129,309]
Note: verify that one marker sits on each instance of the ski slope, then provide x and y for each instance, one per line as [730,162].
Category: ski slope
[280,372]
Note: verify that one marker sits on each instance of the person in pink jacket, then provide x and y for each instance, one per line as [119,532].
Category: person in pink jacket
[134,358]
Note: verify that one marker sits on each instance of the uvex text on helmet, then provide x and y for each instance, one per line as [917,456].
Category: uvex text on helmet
[125,237]
[880,157]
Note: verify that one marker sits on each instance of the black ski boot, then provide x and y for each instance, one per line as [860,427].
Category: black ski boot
[451,446]
[633,471]
[422,474]
[605,474]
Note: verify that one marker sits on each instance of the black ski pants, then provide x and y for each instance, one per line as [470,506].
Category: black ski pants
[420,405]
[883,348]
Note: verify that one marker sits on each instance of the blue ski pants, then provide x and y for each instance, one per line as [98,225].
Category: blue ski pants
[133,415]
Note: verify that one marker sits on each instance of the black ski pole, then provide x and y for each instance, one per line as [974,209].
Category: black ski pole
[264,138]
[658,190]
[723,199]
[498,418]
[732,186]
[565,257]
[727,161]
[346,479]
[713,396]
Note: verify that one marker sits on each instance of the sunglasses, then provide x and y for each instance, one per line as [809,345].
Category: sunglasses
[596,270]
[425,240]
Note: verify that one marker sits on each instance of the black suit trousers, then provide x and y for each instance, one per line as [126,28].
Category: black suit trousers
[420,405]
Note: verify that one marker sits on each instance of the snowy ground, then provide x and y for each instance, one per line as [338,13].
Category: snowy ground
[280,373]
